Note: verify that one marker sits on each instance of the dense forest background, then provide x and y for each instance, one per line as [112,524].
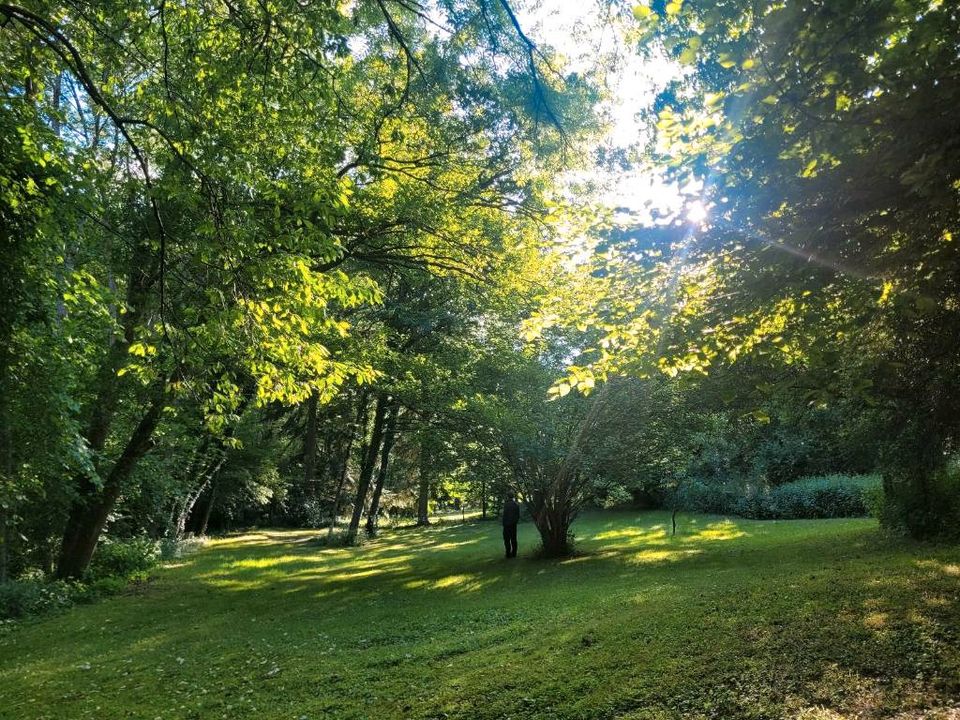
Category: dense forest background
[320,264]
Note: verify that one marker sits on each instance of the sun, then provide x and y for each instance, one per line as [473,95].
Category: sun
[697,212]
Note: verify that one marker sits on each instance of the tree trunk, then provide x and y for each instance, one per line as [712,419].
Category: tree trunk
[483,499]
[553,512]
[209,472]
[367,468]
[556,490]
[310,446]
[89,513]
[93,504]
[6,447]
[390,436]
[915,498]
[182,506]
[359,425]
[4,544]
[423,495]
[209,509]
[338,495]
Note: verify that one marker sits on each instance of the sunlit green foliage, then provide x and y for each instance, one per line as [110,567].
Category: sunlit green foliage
[208,199]
[822,139]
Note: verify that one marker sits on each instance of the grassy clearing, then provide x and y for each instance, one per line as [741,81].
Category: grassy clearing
[730,619]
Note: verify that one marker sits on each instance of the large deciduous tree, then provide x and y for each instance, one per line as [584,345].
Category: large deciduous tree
[241,178]
[824,141]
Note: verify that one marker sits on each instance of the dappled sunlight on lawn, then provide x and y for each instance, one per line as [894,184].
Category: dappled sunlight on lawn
[463,582]
[253,573]
[624,540]
[586,558]
[348,575]
[950,569]
[263,537]
[724,530]
[645,557]
[876,620]
[633,534]
[415,561]
[454,545]
[437,621]
[262,563]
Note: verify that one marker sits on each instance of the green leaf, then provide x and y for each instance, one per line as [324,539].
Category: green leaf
[688,56]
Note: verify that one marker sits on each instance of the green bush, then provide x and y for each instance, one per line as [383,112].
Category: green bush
[827,496]
[103,587]
[706,497]
[923,505]
[114,565]
[22,598]
[127,559]
[875,500]
[173,549]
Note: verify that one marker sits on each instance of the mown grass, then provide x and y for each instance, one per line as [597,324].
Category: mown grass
[730,619]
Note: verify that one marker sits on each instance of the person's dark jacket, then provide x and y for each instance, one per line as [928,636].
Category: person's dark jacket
[511,512]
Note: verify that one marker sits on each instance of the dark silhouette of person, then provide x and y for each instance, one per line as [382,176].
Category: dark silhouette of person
[511,516]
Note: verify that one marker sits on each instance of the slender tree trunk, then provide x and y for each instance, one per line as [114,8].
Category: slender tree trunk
[342,480]
[367,467]
[205,522]
[390,436]
[4,544]
[423,494]
[358,426]
[207,476]
[6,447]
[89,514]
[483,499]
[182,506]
[310,446]
[56,98]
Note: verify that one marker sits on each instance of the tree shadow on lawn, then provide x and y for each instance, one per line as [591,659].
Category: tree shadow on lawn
[805,641]
[749,618]
[435,558]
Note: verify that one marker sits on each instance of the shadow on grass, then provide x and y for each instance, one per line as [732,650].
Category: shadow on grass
[727,619]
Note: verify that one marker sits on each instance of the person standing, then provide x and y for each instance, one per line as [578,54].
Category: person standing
[511,516]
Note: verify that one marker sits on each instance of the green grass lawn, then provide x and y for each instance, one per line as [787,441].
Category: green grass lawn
[730,619]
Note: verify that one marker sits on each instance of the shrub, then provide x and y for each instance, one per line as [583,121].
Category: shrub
[21,598]
[173,549]
[923,505]
[875,500]
[614,496]
[338,539]
[703,497]
[115,564]
[828,496]
[103,587]
[132,558]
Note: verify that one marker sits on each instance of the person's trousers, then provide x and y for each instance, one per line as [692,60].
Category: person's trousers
[510,540]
